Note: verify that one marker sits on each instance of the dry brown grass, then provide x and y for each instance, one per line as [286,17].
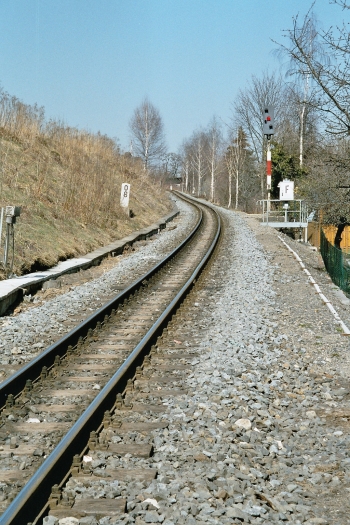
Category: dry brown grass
[68,183]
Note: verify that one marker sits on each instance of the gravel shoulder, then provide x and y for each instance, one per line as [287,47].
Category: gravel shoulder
[48,315]
[300,312]
[261,435]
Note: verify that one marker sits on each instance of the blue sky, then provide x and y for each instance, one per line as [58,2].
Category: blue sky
[90,63]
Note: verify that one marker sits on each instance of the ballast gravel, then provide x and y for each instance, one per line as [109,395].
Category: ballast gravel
[262,434]
[25,335]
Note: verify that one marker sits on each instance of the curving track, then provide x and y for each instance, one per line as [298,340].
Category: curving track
[104,355]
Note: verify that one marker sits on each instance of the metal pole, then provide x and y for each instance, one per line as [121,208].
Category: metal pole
[268,175]
[1,221]
[7,242]
[263,210]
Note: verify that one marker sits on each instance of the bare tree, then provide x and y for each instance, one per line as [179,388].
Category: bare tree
[235,156]
[248,110]
[147,131]
[185,173]
[299,126]
[194,157]
[185,163]
[301,94]
[171,165]
[324,56]
[214,143]
[327,186]
[229,160]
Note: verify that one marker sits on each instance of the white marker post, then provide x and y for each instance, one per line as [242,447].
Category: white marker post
[124,197]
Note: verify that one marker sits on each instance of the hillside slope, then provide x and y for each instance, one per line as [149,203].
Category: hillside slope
[68,184]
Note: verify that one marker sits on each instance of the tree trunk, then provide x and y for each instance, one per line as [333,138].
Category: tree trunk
[338,235]
[229,188]
[199,178]
[301,137]
[237,187]
[212,179]
[302,120]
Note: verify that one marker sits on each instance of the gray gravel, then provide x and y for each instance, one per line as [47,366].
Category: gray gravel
[256,438]
[24,336]
[262,435]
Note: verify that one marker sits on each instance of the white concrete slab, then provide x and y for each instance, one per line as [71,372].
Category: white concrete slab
[9,285]
[63,266]
[14,288]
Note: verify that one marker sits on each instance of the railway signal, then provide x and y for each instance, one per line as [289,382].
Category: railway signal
[268,125]
[268,130]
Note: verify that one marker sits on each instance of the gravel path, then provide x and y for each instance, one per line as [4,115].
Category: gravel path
[23,336]
[262,435]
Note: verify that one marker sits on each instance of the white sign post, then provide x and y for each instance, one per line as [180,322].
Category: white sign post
[124,197]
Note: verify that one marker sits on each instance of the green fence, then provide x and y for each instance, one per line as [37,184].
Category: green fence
[337,264]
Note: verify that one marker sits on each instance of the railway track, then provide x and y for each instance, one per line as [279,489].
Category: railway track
[95,383]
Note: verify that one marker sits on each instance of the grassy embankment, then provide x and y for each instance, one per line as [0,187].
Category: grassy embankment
[68,183]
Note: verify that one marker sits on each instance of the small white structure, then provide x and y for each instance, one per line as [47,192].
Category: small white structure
[286,190]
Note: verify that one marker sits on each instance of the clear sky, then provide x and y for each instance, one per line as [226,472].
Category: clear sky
[90,63]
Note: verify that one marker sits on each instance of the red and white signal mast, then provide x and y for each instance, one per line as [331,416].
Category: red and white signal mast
[297,216]
[268,131]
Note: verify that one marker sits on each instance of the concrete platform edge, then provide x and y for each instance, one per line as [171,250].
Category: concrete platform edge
[12,290]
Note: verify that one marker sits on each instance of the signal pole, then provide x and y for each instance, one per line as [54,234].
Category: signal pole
[268,168]
[268,131]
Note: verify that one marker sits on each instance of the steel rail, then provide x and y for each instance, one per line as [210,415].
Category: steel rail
[34,496]
[15,383]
